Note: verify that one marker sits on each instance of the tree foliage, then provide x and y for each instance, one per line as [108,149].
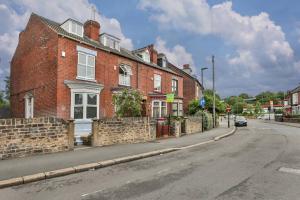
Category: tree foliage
[194,106]
[128,103]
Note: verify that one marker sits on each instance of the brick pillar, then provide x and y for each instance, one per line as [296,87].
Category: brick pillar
[71,133]
[95,131]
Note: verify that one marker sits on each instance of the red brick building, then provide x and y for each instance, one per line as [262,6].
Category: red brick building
[192,88]
[72,70]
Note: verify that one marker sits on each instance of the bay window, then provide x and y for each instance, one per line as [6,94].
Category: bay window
[159,109]
[177,109]
[157,83]
[85,105]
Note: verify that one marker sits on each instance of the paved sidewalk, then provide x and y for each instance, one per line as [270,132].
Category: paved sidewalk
[42,163]
[283,123]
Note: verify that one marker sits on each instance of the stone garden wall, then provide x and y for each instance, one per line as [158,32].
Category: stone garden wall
[193,124]
[23,137]
[124,130]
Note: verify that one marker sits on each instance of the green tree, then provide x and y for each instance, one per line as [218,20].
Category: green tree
[128,103]
[244,96]
[193,107]
[7,88]
[257,108]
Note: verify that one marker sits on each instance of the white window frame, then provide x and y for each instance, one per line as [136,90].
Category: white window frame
[85,93]
[88,54]
[174,86]
[157,79]
[160,108]
[71,23]
[29,108]
[179,111]
[125,79]
[146,56]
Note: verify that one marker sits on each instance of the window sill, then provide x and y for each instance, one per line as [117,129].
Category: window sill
[121,85]
[86,79]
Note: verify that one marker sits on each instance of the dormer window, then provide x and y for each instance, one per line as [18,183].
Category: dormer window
[146,56]
[110,41]
[162,61]
[73,27]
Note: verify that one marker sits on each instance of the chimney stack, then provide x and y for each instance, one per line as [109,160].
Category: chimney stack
[92,29]
[153,54]
[187,69]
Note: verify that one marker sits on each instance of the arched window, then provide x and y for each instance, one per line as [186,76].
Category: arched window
[124,75]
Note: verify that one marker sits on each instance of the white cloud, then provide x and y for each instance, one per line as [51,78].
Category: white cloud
[260,45]
[247,33]
[177,55]
[14,16]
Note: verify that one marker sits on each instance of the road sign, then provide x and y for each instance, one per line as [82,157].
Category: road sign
[202,102]
[170,97]
[228,109]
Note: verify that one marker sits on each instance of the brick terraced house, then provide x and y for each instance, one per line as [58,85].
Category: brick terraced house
[72,70]
[192,88]
[292,107]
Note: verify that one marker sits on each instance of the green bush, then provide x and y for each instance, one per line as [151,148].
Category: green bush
[128,103]
[207,120]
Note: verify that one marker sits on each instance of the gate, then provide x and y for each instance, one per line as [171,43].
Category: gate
[164,128]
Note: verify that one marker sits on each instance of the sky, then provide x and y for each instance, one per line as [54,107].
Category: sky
[255,43]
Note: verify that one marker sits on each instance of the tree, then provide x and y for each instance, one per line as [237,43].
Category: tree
[244,96]
[193,107]
[257,108]
[128,103]
[7,88]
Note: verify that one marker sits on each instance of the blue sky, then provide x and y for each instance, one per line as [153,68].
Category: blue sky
[256,43]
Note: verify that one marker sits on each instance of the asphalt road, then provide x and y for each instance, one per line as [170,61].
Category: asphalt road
[261,161]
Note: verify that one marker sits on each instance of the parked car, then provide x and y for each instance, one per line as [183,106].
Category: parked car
[240,121]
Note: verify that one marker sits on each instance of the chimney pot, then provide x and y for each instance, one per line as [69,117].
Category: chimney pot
[92,29]
[153,54]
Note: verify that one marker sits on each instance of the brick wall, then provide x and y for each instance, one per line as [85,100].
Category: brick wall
[23,137]
[121,131]
[34,69]
[193,124]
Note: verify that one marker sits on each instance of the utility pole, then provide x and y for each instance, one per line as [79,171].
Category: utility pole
[214,92]
[202,81]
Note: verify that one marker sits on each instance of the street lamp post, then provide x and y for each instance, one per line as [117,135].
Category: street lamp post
[214,92]
[202,81]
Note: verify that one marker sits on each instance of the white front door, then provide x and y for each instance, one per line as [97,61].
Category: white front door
[85,107]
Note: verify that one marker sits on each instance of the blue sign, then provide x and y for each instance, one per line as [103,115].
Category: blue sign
[202,102]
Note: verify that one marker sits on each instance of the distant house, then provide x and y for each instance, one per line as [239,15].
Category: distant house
[293,102]
[192,88]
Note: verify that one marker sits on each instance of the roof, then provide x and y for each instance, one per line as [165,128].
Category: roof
[97,44]
[297,89]
[183,72]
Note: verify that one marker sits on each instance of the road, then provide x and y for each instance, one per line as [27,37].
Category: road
[260,161]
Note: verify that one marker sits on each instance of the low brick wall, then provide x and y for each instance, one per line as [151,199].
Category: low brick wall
[193,124]
[23,137]
[121,131]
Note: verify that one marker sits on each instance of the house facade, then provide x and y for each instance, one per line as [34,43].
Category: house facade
[72,70]
[192,88]
[292,107]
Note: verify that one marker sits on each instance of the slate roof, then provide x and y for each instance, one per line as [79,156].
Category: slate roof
[297,89]
[97,44]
